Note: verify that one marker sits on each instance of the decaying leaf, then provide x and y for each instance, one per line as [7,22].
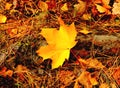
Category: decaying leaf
[3,18]
[59,43]
[86,79]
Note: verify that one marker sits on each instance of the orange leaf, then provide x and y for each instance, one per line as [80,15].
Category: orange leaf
[7,6]
[59,43]
[4,72]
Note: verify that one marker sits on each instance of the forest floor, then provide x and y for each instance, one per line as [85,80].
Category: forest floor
[94,61]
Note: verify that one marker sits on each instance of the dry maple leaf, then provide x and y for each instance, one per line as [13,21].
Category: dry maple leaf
[59,43]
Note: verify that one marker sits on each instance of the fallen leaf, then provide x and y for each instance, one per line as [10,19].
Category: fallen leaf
[116,8]
[66,77]
[6,72]
[7,6]
[59,43]
[85,30]
[86,79]
[86,17]
[80,7]
[3,18]
[100,8]
[92,63]
[64,7]
[103,9]
[104,85]
[106,4]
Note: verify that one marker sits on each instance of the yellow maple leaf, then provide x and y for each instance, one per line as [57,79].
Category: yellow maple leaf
[59,43]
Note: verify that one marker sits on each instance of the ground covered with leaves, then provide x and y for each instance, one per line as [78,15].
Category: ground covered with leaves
[88,43]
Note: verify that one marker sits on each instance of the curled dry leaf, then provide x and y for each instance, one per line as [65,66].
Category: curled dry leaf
[59,43]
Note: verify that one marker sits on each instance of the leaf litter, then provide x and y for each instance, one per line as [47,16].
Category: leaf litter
[92,63]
